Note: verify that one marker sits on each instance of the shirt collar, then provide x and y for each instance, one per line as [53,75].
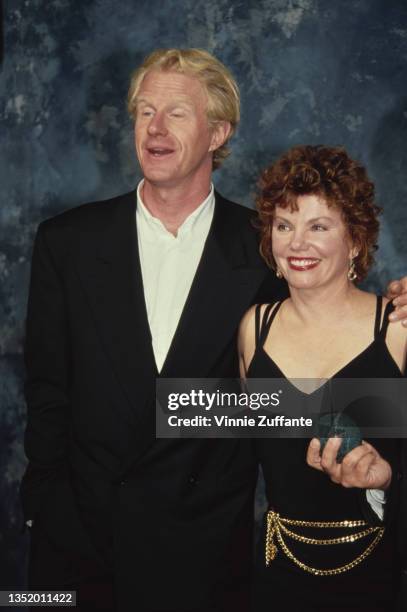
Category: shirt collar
[198,218]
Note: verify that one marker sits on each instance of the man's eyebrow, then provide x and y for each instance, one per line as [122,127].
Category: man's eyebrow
[179,102]
[143,101]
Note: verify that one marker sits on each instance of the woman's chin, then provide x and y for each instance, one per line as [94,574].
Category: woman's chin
[302,282]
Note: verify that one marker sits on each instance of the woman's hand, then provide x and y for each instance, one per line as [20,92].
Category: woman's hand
[363,467]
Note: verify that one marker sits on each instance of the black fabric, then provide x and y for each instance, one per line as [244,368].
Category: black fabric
[92,595]
[298,491]
[171,519]
[402,528]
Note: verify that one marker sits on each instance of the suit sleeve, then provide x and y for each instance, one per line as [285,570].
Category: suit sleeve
[47,377]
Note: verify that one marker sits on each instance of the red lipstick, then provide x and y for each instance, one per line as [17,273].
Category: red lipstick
[302,264]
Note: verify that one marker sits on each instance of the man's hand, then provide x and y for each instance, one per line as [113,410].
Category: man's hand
[362,467]
[397,291]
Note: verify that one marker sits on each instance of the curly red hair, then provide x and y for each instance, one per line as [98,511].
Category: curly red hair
[329,173]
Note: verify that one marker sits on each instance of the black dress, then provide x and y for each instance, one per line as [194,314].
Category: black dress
[299,492]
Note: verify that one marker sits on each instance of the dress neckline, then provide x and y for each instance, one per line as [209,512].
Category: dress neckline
[327,380]
[378,335]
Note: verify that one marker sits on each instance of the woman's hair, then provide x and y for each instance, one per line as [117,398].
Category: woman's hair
[220,86]
[330,173]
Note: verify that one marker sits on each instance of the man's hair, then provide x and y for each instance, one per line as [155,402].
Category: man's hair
[330,173]
[220,86]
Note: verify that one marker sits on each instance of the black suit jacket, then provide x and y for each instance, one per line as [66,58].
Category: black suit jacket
[402,528]
[172,519]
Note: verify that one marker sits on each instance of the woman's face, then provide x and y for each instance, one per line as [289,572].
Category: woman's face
[311,246]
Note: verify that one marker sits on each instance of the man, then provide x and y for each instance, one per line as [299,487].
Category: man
[148,284]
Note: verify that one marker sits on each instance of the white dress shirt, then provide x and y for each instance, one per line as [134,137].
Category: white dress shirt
[168,266]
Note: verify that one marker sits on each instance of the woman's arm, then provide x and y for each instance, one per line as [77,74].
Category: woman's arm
[397,291]
[246,341]
[396,340]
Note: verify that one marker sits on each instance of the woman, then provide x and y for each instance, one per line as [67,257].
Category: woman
[319,227]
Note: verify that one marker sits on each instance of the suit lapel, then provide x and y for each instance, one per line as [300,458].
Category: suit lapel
[108,265]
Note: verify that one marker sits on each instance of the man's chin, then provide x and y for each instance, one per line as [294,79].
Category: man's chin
[161,180]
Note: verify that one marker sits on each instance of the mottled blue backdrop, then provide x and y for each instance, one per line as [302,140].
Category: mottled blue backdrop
[310,71]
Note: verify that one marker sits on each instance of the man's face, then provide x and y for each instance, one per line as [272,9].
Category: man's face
[174,143]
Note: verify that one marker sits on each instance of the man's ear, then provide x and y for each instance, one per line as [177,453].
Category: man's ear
[220,133]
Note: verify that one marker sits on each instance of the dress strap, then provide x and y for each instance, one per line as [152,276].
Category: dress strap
[385,324]
[266,322]
[259,322]
[379,302]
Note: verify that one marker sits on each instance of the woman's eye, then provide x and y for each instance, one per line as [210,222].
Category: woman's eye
[177,115]
[282,227]
[317,227]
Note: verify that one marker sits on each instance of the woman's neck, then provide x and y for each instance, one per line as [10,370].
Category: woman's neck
[324,305]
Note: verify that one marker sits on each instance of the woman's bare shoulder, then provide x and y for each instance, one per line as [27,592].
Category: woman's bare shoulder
[247,323]
[248,317]
[396,340]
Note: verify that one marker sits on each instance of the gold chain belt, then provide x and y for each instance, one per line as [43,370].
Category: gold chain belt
[277,526]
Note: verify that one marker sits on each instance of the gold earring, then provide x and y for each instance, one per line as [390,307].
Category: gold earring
[352,271]
[279,274]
